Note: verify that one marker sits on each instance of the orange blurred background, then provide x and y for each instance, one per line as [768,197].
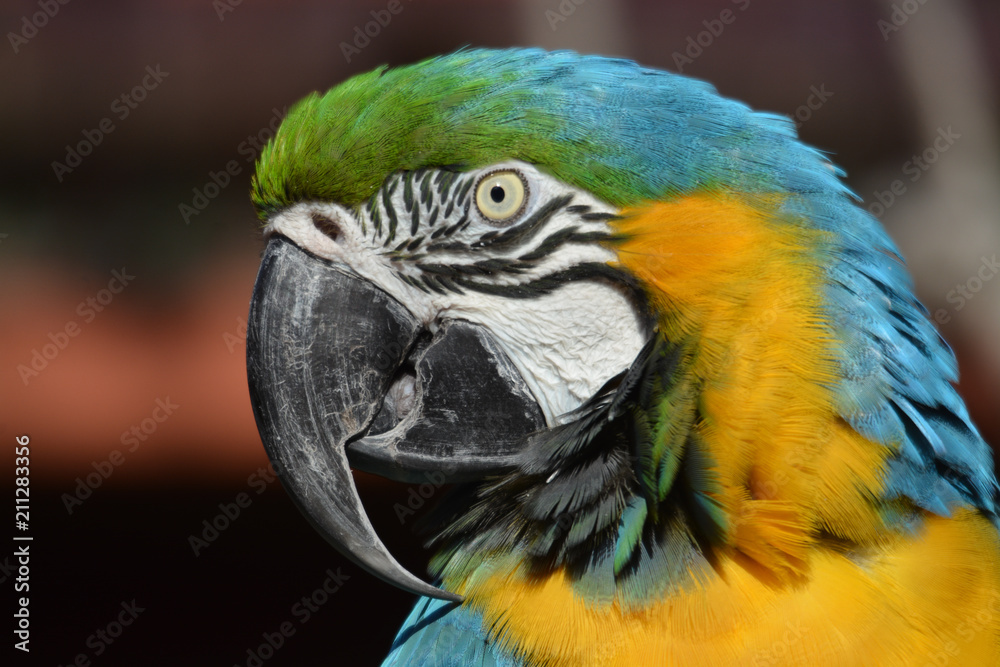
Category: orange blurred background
[84,379]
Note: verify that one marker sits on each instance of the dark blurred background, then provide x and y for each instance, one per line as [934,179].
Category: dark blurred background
[123,312]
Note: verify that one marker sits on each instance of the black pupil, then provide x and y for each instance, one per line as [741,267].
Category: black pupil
[497,194]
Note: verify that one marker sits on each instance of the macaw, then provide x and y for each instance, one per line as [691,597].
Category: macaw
[692,411]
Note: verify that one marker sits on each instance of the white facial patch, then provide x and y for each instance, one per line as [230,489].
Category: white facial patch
[566,344]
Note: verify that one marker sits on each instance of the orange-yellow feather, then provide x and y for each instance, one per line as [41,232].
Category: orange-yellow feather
[931,598]
[744,282]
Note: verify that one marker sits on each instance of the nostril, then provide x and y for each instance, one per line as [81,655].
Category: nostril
[327,226]
[403,391]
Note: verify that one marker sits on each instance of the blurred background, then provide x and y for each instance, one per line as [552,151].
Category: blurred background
[128,254]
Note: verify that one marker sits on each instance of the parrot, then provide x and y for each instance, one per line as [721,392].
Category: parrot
[688,407]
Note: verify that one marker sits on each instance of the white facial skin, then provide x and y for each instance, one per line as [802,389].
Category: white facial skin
[566,344]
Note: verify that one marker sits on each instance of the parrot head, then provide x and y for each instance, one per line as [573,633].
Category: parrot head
[636,323]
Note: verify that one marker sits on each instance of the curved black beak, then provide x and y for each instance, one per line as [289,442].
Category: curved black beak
[337,368]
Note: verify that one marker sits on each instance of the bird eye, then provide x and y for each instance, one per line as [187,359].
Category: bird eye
[500,195]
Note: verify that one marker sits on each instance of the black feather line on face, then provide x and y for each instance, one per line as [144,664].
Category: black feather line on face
[408,190]
[600,216]
[466,186]
[524,232]
[434,284]
[414,220]
[425,190]
[561,238]
[439,269]
[391,212]
[549,283]
[376,216]
[444,182]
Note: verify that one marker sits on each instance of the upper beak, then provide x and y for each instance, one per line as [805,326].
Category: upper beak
[324,347]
